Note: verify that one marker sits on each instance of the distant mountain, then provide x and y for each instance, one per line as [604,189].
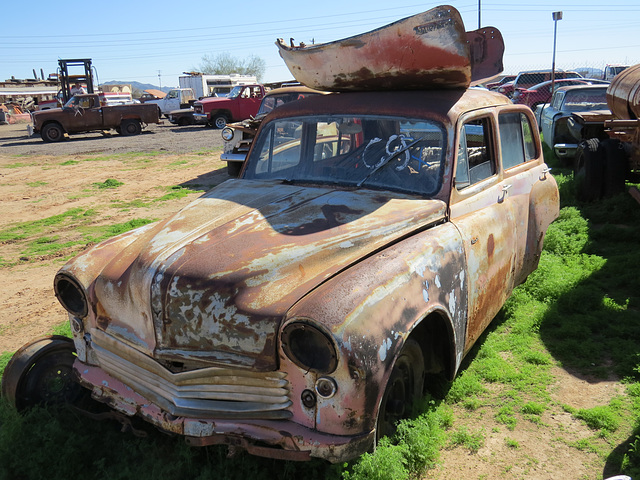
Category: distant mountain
[138,86]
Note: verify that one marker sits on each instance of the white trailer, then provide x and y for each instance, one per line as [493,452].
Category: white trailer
[210,85]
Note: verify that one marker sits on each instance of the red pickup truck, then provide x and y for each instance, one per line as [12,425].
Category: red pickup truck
[241,103]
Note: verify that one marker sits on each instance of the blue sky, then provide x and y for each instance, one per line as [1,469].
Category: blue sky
[156,42]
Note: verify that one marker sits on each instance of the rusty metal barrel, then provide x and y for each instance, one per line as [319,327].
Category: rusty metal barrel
[623,95]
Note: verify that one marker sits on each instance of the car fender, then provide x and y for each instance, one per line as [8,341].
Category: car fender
[370,310]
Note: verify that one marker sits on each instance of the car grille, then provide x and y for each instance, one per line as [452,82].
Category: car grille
[197,108]
[211,392]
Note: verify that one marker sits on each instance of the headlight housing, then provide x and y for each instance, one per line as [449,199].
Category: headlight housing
[71,295]
[309,347]
[227,133]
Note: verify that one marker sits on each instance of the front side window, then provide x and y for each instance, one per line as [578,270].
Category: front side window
[516,139]
[556,103]
[235,91]
[476,159]
[356,151]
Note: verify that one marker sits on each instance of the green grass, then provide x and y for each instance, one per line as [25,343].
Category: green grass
[37,242]
[108,183]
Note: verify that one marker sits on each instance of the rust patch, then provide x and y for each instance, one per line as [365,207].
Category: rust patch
[490,247]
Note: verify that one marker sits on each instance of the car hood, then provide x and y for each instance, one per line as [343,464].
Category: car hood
[212,283]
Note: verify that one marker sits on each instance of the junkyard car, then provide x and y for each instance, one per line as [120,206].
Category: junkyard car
[541,93]
[238,136]
[295,311]
[555,119]
[502,81]
[530,78]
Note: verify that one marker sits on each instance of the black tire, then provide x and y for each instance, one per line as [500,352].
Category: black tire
[130,127]
[52,132]
[403,391]
[41,373]
[234,168]
[219,121]
[589,170]
[615,167]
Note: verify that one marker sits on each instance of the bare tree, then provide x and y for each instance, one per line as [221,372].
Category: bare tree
[225,63]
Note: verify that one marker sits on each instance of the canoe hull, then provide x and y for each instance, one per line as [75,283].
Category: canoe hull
[428,50]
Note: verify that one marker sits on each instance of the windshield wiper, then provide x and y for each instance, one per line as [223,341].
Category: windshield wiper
[384,161]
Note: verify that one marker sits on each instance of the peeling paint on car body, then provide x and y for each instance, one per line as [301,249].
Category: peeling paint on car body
[193,322]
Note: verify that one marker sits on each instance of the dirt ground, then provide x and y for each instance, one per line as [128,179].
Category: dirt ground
[39,180]
[35,185]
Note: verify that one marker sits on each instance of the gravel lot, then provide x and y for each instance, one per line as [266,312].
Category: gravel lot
[167,138]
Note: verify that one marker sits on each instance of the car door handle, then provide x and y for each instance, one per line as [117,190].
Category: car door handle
[505,190]
[544,173]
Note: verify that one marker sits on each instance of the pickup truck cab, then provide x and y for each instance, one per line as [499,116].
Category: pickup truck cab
[241,103]
[174,100]
[91,112]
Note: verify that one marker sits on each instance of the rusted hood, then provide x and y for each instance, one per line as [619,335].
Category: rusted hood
[212,283]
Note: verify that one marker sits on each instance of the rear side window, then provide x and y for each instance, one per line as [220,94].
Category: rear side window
[516,139]
[530,79]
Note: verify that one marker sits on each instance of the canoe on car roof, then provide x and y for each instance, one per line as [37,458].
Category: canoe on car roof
[427,50]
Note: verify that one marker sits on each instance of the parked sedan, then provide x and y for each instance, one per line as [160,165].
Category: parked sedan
[294,312]
[502,81]
[541,93]
[555,119]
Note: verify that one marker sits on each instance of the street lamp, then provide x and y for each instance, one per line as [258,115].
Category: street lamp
[556,16]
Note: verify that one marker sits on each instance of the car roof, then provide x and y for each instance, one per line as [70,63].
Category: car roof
[444,105]
[582,87]
[558,80]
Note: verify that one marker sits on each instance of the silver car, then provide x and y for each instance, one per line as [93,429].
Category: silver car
[555,119]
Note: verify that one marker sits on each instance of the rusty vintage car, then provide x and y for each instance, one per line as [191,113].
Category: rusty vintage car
[295,311]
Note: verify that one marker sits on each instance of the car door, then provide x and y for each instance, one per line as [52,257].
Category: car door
[87,114]
[530,187]
[485,219]
[251,97]
[547,116]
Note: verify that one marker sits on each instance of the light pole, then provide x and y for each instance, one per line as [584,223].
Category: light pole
[556,16]
[479,9]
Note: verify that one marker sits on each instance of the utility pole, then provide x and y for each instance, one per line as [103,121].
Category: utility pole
[160,79]
[479,10]
[556,16]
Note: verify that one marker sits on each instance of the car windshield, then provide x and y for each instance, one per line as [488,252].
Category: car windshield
[373,151]
[585,99]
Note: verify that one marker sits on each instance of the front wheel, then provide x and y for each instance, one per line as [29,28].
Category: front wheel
[220,121]
[41,373]
[403,391]
[52,132]
[130,127]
